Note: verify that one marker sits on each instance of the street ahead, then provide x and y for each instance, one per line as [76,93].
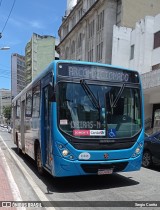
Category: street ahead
[141,187]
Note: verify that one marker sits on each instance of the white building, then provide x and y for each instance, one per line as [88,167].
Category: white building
[139,49]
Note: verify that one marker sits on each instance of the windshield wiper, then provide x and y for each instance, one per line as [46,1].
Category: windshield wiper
[118,96]
[90,94]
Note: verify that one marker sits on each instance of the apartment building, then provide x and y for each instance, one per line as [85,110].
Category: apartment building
[39,52]
[17,74]
[86,31]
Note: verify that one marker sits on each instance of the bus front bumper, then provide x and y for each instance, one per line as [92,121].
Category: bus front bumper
[63,167]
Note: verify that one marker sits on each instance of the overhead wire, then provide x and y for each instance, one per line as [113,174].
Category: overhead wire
[8,15]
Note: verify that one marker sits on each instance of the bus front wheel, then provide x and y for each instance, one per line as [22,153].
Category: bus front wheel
[39,161]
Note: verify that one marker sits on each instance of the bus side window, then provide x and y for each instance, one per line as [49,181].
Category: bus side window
[36,101]
[18,110]
[28,111]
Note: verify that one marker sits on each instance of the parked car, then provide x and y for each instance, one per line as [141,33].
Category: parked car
[151,152]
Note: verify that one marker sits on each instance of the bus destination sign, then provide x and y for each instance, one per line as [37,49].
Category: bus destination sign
[96,73]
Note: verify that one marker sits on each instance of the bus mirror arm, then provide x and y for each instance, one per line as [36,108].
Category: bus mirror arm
[51,93]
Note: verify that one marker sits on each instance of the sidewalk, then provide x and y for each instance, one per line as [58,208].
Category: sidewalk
[5,188]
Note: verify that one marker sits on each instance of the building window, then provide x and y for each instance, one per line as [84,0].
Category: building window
[66,30]
[73,47]
[67,53]
[132,52]
[90,55]
[99,51]
[100,21]
[80,40]
[91,29]
[157,39]
[80,13]
[73,21]
[99,39]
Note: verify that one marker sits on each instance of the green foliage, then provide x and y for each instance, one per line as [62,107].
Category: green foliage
[7,112]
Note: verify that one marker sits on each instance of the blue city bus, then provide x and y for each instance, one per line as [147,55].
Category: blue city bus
[81,118]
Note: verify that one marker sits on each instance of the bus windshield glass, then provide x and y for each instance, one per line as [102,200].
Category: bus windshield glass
[98,111]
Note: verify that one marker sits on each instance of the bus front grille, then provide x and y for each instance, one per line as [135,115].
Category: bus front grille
[93,168]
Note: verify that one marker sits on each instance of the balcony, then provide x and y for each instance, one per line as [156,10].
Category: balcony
[151,80]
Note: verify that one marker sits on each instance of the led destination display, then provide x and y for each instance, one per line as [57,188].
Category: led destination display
[97,73]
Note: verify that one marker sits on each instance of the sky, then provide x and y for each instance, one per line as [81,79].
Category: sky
[43,17]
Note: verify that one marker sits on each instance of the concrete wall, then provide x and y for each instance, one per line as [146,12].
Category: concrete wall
[121,46]
[109,21]
[134,10]
[45,53]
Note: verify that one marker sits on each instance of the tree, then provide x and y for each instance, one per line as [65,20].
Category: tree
[7,112]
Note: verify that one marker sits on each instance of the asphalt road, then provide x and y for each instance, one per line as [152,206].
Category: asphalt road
[93,192]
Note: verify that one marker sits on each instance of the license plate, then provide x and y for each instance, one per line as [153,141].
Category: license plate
[105,171]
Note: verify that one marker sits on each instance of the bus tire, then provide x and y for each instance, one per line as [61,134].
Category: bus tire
[39,161]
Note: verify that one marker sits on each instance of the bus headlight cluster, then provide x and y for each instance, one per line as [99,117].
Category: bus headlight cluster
[138,150]
[65,152]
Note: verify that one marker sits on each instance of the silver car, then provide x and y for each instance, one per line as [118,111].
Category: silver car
[9,129]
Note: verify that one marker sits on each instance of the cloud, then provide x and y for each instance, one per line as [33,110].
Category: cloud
[25,24]
[36,24]
[15,22]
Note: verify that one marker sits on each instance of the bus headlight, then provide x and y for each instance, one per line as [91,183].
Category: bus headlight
[65,152]
[138,150]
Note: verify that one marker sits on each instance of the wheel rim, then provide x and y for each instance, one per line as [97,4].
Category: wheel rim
[146,159]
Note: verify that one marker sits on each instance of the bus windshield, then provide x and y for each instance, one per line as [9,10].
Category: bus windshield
[98,111]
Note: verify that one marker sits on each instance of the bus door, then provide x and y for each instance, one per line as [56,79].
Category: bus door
[22,125]
[46,122]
